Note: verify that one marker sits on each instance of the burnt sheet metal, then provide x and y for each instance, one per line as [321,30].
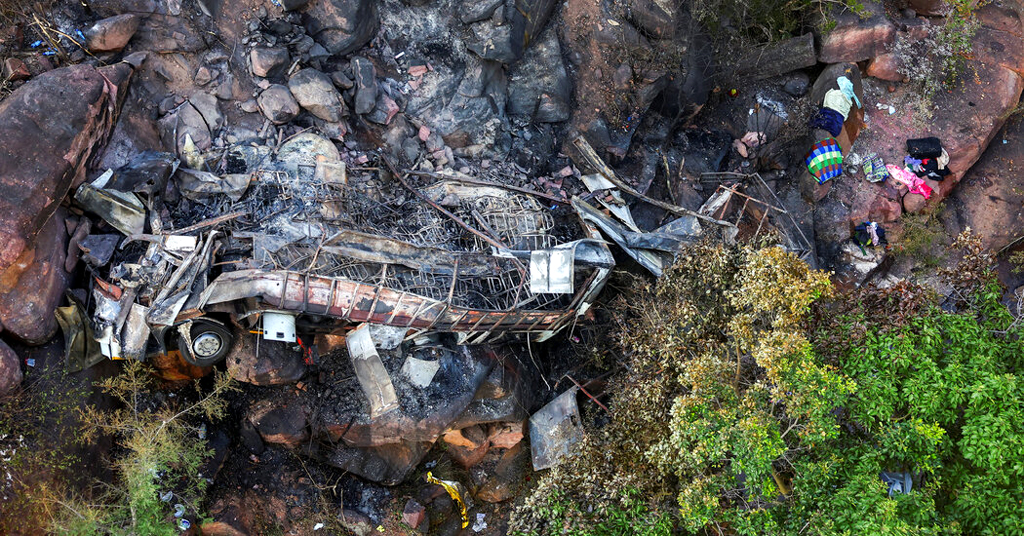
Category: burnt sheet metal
[363,302]
[650,260]
[420,372]
[98,249]
[202,186]
[147,172]
[370,371]
[552,270]
[181,286]
[81,350]
[618,208]
[374,248]
[135,333]
[124,211]
[554,430]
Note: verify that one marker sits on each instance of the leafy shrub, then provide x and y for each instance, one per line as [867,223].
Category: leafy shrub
[753,402]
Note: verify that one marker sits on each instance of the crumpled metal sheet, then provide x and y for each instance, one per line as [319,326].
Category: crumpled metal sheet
[555,429]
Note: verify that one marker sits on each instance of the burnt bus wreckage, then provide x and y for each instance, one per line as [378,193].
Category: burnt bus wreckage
[289,243]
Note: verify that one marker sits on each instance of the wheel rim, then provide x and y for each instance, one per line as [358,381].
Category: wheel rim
[207,345]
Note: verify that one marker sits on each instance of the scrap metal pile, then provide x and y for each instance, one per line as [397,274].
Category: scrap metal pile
[291,235]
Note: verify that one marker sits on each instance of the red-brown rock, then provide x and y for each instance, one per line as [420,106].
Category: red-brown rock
[467,446]
[990,196]
[15,69]
[49,129]
[853,39]
[172,367]
[414,513]
[32,287]
[505,435]
[10,369]
[507,477]
[111,34]
[885,67]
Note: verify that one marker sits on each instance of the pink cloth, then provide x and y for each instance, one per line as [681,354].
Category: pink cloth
[915,184]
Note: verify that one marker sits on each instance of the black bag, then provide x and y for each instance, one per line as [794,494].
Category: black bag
[924,148]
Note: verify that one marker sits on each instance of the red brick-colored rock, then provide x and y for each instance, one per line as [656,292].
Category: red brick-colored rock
[15,69]
[885,67]
[49,129]
[32,287]
[857,40]
[10,369]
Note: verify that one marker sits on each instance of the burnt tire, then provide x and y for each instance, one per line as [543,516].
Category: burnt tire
[210,343]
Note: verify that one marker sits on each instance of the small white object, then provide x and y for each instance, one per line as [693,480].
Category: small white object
[102,180]
[892,110]
[318,526]
[399,55]
[480,523]
[167,496]
[279,327]
[179,510]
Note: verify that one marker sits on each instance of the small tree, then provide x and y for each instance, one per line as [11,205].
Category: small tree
[160,452]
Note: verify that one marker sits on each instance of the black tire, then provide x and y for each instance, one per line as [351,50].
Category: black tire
[211,342]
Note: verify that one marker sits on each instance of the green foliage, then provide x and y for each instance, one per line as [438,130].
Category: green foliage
[160,452]
[754,404]
[922,237]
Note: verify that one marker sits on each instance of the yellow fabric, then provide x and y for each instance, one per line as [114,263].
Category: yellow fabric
[839,102]
[453,492]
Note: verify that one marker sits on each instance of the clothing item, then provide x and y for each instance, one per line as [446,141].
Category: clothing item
[825,160]
[874,168]
[846,86]
[828,119]
[924,148]
[837,101]
[869,233]
[914,184]
[943,160]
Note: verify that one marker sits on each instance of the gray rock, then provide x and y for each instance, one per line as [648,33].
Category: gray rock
[342,80]
[278,104]
[797,85]
[314,91]
[10,369]
[186,120]
[342,26]
[250,106]
[539,87]
[269,62]
[292,5]
[366,85]
[478,10]
[492,42]
[656,18]
[111,34]
[208,107]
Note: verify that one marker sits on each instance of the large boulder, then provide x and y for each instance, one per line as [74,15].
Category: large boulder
[341,26]
[10,369]
[32,287]
[856,37]
[50,128]
[539,86]
[991,194]
[965,118]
